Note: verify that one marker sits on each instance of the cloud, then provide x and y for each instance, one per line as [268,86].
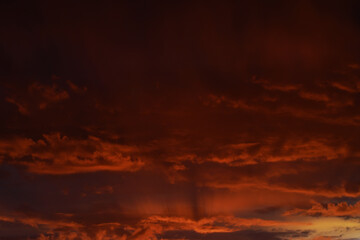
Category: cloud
[75,87]
[156,227]
[56,154]
[268,85]
[325,238]
[294,177]
[183,121]
[271,151]
[47,94]
[342,209]
[216,224]
[344,87]
[38,222]
[243,234]
[38,96]
[21,108]
[326,114]
[320,97]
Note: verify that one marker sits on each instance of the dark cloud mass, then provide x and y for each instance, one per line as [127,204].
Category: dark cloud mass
[166,120]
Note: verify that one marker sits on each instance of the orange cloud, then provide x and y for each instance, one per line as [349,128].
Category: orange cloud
[344,87]
[56,154]
[291,150]
[216,224]
[269,150]
[324,238]
[38,222]
[201,113]
[342,209]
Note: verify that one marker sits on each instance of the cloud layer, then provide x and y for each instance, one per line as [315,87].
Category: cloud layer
[180,120]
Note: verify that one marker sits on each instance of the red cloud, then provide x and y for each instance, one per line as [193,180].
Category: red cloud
[56,154]
[40,96]
[47,94]
[341,209]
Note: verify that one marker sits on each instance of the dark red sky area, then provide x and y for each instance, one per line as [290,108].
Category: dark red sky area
[180,120]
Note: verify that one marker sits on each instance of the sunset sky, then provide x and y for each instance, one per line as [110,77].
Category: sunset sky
[180,120]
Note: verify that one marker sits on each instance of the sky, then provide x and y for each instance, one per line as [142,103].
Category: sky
[180,120]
